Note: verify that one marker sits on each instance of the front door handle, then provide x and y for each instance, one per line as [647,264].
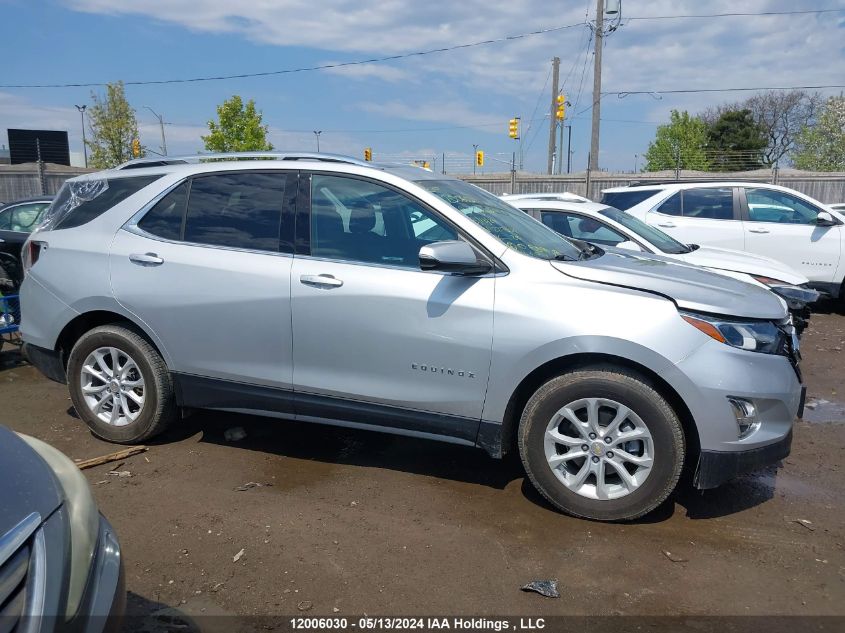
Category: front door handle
[758,230]
[146,259]
[321,281]
[668,225]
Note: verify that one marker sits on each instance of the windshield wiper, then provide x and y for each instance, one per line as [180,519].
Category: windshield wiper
[560,257]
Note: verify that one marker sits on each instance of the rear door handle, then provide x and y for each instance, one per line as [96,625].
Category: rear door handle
[668,225]
[758,231]
[146,259]
[321,281]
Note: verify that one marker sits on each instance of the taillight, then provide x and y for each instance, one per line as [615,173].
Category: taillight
[31,253]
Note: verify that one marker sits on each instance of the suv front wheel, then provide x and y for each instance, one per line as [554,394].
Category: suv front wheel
[601,444]
[120,385]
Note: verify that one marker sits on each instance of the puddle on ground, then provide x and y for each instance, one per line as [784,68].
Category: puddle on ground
[821,410]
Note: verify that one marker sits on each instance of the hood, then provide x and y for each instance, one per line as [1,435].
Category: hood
[690,287]
[28,482]
[741,262]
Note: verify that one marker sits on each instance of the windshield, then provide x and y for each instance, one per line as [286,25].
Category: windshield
[515,228]
[656,237]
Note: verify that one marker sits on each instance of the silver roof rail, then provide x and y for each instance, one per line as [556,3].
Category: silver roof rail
[160,161]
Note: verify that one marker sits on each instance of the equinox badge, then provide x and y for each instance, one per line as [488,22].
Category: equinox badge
[446,371]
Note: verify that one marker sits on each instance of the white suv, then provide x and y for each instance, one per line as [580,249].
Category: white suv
[755,217]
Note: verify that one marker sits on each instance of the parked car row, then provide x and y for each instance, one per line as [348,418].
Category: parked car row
[600,224]
[758,218]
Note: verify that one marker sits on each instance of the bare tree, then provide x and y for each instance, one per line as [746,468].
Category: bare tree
[780,114]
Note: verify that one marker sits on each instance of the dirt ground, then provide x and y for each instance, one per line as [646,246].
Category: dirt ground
[350,522]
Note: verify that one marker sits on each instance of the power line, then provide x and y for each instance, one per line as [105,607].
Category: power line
[287,71]
[399,56]
[624,93]
[733,14]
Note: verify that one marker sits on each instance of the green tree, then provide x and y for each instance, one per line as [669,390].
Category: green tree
[679,144]
[781,114]
[113,128]
[736,142]
[238,128]
[821,147]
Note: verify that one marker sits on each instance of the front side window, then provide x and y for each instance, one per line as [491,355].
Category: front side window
[361,221]
[652,235]
[508,224]
[588,229]
[709,203]
[768,205]
[237,210]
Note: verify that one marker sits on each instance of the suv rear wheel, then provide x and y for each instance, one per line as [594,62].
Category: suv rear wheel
[119,385]
[601,444]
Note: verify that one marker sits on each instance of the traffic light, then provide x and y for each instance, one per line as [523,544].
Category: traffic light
[136,147]
[560,113]
[368,154]
[479,158]
[513,128]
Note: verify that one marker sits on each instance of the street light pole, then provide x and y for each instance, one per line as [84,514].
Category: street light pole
[161,125]
[81,109]
[317,134]
[474,157]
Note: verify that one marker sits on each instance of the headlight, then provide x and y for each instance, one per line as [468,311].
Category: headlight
[83,517]
[770,281]
[754,336]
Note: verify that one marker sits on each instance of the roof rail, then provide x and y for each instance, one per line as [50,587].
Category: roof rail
[564,196]
[663,181]
[161,161]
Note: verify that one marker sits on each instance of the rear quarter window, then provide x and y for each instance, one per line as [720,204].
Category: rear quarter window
[80,202]
[626,199]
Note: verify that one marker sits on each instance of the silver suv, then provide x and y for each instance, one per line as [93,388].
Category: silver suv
[392,298]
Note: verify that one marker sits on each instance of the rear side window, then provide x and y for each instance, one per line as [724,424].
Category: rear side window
[239,210]
[709,203]
[165,218]
[626,199]
[80,202]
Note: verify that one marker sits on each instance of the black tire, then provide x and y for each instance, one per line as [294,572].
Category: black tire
[159,407]
[630,390]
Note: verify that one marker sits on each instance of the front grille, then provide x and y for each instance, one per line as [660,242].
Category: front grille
[21,575]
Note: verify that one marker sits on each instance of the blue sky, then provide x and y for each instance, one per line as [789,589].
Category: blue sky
[429,105]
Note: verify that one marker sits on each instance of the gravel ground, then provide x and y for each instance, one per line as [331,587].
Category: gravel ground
[348,522]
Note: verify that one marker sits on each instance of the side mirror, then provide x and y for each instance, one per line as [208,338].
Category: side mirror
[825,219]
[454,257]
[628,245]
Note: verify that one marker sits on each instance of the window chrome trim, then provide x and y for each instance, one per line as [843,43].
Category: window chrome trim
[352,262]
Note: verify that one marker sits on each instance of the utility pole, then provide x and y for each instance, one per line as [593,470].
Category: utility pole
[599,36]
[552,119]
[161,125]
[568,148]
[81,109]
